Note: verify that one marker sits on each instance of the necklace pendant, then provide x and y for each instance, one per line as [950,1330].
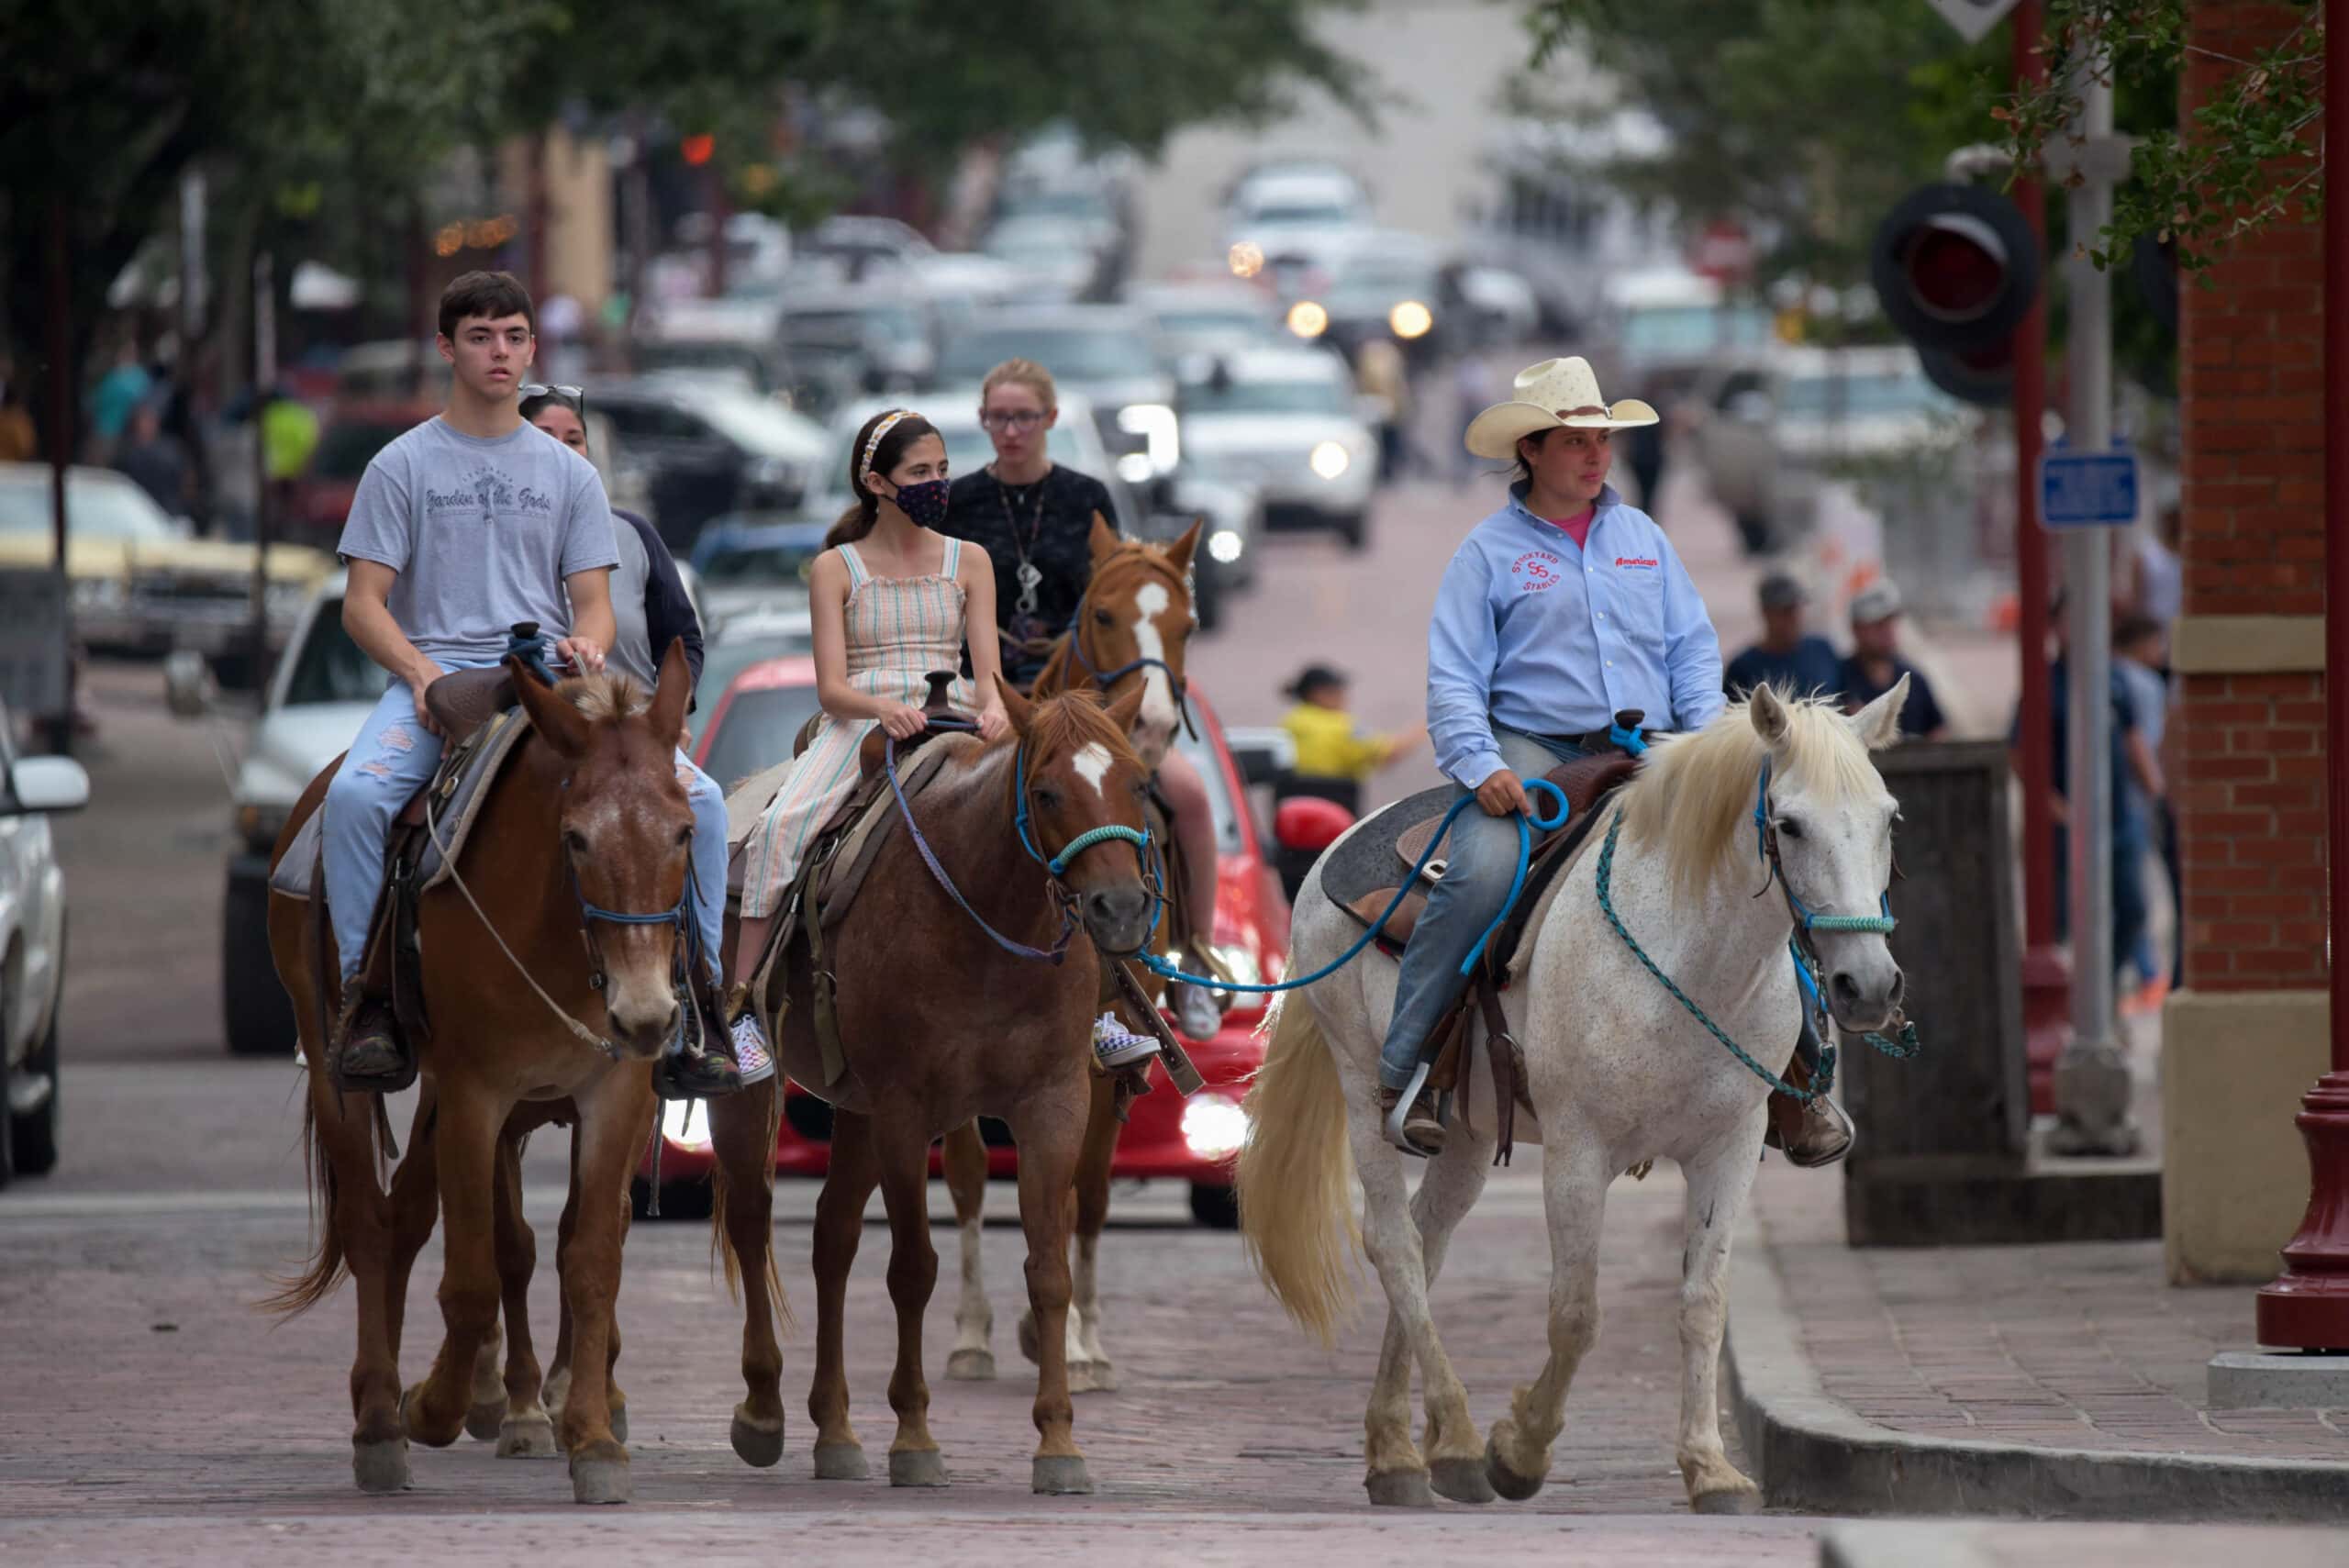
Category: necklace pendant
[1030,579]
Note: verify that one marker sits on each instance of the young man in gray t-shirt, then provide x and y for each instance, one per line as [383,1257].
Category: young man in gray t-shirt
[460,528]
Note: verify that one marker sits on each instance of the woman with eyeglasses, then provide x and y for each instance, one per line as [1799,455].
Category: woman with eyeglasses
[1034,518]
[652,609]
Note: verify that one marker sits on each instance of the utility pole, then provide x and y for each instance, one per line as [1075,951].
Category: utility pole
[2092,1083]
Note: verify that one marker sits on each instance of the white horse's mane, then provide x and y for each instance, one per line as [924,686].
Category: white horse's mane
[1694,793]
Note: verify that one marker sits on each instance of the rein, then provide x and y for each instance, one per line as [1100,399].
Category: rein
[1054,867]
[1806,960]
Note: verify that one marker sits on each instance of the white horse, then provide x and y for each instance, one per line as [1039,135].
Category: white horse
[1618,1071]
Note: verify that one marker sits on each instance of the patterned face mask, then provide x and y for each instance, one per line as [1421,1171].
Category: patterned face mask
[925,503]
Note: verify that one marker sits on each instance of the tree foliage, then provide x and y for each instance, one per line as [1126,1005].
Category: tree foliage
[1806,119]
[2251,157]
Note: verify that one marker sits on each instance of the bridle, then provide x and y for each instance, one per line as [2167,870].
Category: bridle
[1807,920]
[680,915]
[1056,867]
[1107,679]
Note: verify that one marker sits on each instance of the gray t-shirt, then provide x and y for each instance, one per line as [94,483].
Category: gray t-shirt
[631,651]
[482,533]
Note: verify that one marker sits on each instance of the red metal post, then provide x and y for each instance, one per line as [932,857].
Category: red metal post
[2307,1306]
[2030,539]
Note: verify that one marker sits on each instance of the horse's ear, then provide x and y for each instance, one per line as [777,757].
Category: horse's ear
[1179,553]
[1878,724]
[674,691]
[1018,708]
[1127,708]
[1769,716]
[1105,540]
[552,713]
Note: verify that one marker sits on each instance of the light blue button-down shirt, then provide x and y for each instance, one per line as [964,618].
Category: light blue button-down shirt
[1550,638]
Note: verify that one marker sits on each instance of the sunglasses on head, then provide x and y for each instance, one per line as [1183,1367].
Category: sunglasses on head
[576,397]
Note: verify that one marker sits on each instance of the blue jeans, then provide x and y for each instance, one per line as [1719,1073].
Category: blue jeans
[1480,856]
[393,758]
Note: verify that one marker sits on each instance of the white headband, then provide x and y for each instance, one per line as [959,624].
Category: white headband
[873,442]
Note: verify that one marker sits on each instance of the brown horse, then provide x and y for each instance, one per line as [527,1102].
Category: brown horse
[1131,634]
[940,1024]
[589,814]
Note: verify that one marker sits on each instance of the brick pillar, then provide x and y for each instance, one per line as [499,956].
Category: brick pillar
[2248,1032]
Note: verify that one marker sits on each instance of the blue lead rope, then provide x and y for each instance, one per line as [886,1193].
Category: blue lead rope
[1526,823]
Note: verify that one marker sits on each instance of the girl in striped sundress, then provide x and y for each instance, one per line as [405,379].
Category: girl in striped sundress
[892,600]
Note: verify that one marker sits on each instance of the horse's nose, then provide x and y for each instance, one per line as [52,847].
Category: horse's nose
[1851,997]
[1119,913]
[646,1032]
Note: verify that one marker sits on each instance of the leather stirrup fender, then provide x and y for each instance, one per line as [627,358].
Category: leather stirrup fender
[1507,1070]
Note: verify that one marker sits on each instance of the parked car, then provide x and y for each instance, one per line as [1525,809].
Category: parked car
[844,341]
[1193,317]
[351,435]
[140,585]
[32,933]
[1766,429]
[1107,354]
[707,447]
[756,562]
[1057,261]
[1287,422]
[1388,286]
[323,692]
[855,247]
[1169,1138]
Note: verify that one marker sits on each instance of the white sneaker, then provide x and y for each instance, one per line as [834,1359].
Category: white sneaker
[752,1057]
[1195,1013]
[1114,1046]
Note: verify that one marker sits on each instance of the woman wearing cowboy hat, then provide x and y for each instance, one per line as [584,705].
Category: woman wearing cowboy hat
[1560,609]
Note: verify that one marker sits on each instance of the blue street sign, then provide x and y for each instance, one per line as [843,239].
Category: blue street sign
[2088,490]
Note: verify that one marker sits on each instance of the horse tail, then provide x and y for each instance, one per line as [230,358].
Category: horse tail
[1296,1211]
[722,1245]
[327,1264]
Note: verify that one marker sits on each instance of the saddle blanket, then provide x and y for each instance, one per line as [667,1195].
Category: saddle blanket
[456,793]
[861,827]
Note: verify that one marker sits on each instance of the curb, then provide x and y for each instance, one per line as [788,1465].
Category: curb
[1810,1451]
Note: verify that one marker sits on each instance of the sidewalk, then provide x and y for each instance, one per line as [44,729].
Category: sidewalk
[2061,1381]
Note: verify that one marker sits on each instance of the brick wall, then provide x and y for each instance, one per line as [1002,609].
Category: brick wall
[2251,746]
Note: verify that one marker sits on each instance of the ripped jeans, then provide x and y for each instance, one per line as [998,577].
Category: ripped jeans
[393,758]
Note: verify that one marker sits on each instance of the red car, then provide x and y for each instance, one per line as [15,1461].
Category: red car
[753,722]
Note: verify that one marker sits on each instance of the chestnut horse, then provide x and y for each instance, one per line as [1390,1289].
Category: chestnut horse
[941,1022]
[1131,633]
[588,821]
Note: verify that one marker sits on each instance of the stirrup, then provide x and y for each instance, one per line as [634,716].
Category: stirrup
[1405,1098]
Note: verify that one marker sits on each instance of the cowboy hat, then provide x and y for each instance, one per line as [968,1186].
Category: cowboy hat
[1556,394]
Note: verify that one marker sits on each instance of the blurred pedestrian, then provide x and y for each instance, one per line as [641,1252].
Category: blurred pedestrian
[1380,373]
[1794,663]
[1472,386]
[1334,758]
[115,398]
[153,460]
[19,442]
[1876,666]
[1644,453]
[289,437]
[1035,518]
[2138,644]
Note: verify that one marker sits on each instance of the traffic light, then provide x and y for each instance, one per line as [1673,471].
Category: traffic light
[1955,269]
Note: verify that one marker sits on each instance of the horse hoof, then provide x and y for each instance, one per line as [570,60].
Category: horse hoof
[1730,1502]
[1517,1488]
[485,1420]
[380,1466]
[756,1442]
[1399,1489]
[1462,1480]
[841,1462]
[1092,1377]
[412,1421]
[529,1436]
[971,1366]
[917,1467]
[601,1479]
[1028,1339]
[1060,1475]
[618,1424]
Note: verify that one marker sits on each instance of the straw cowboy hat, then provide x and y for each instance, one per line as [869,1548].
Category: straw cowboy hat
[1556,394]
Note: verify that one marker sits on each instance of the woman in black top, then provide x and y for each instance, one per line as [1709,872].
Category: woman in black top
[1034,518]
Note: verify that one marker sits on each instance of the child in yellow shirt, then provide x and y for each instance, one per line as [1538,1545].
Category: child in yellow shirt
[1330,748]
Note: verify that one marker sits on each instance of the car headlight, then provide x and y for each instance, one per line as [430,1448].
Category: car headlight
[1329,460]
[1247,259]
[260,823]
[1307,319]
[1238,962]
[1225,546]
[681,1127]
[1410,319]
[100,594]
[1214,1127]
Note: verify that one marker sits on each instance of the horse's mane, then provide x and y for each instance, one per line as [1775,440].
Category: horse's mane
[1694,793]
[607,696]
[1074,720]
